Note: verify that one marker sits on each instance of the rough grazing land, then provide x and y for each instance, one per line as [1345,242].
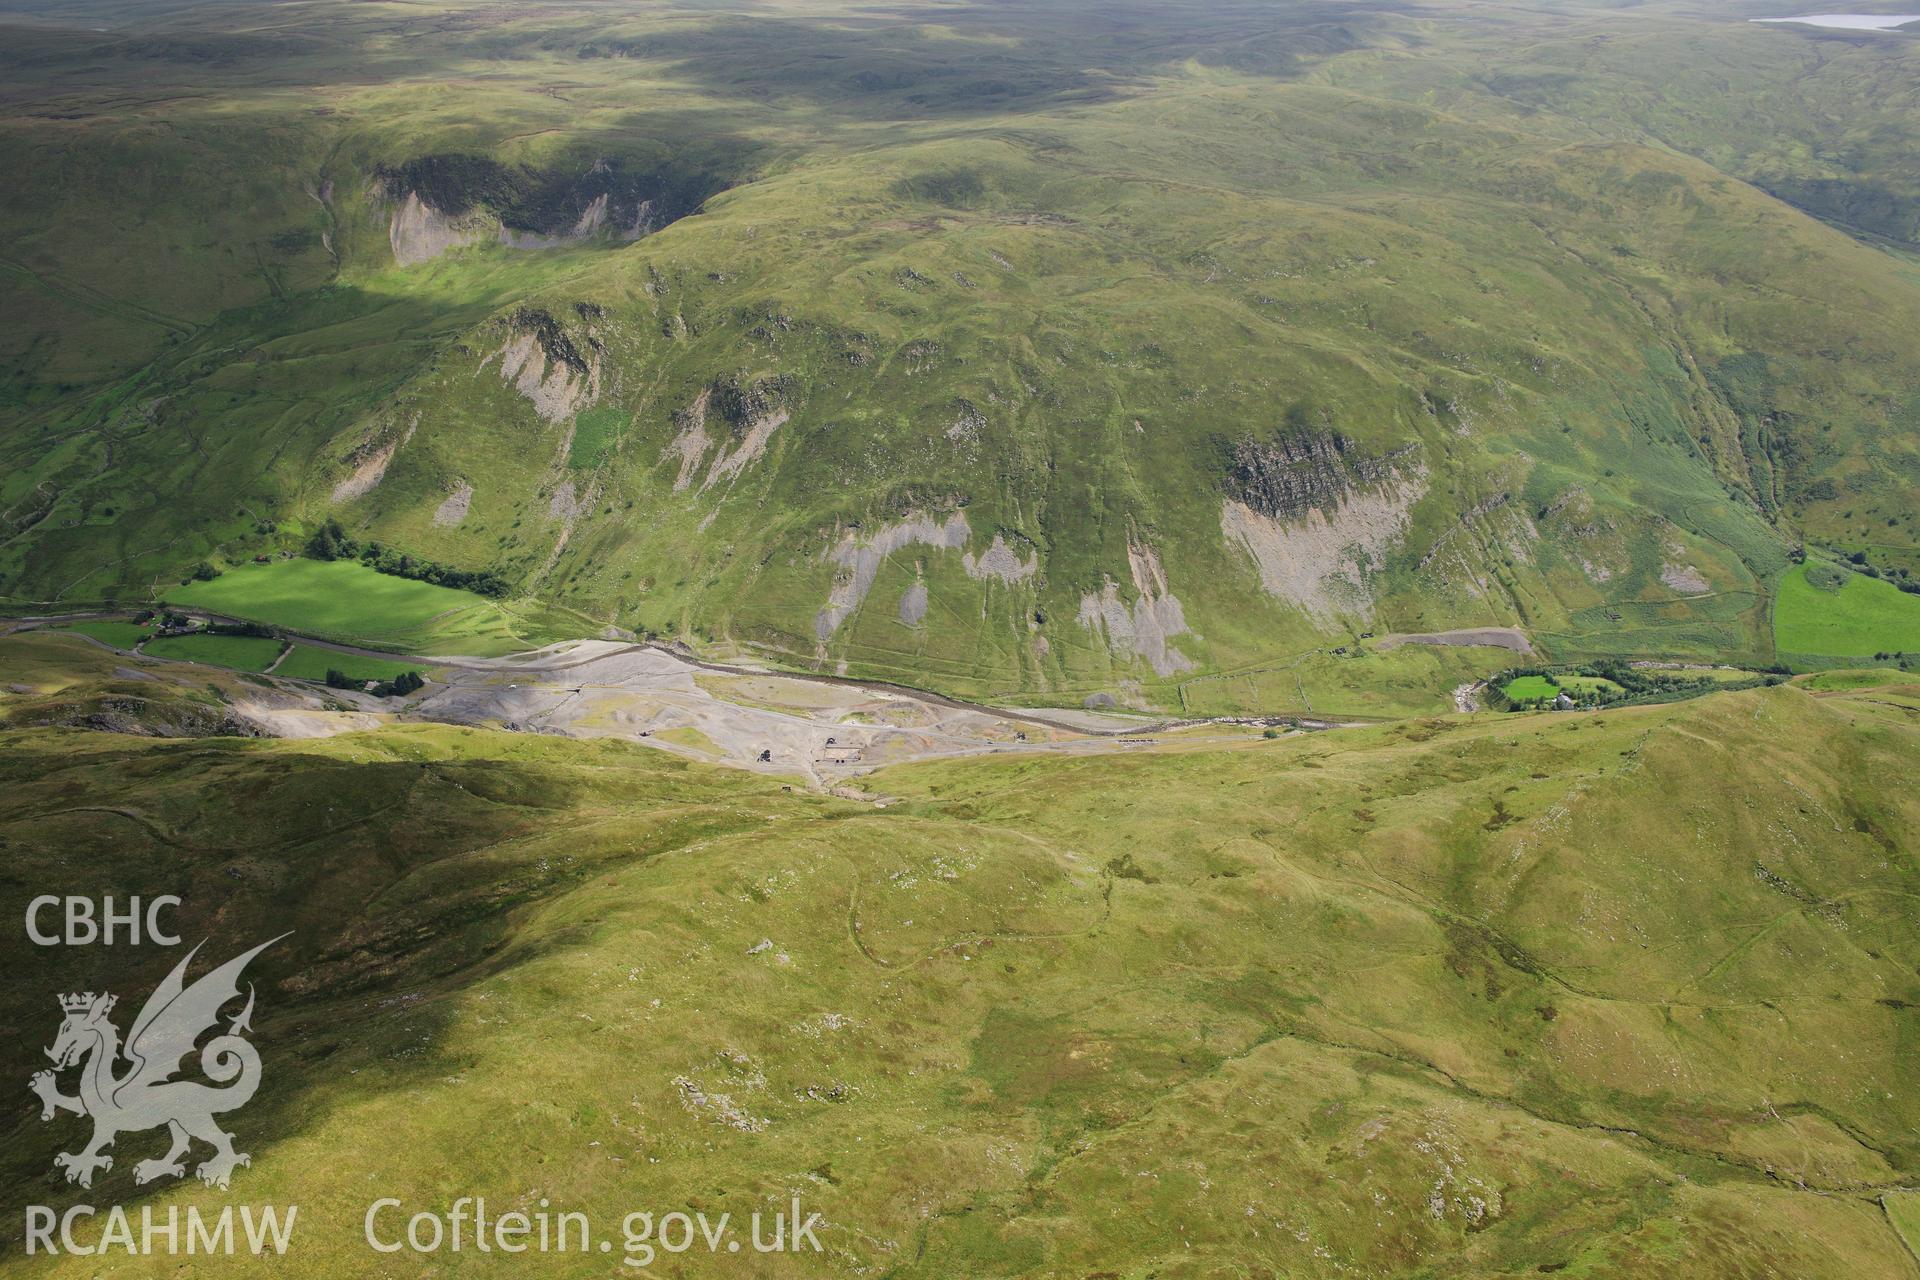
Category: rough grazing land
[1450,997]
[1136,381]
[1362,318]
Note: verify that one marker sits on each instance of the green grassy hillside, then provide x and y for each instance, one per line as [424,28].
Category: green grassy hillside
[1827,611]
[1596,995]
[1324,359]
[1009,350]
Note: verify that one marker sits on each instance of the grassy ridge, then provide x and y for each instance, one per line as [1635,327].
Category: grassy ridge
[1444,997]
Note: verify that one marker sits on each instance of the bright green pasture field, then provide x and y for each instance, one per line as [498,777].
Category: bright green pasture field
[1864,617]
[344,600]
[1586,684]
[309,662]
[242,653]
[1719,675]
[1527,688]
[121,635]
[1841,681]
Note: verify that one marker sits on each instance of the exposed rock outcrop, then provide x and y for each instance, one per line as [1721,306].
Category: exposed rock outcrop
[601,218]
[968,423]
[1000,563]
[691,441]
[1680,576]
[565,504]
[752,443]
[420,233]
[1591,538]
[590,221]
[1287,477]
[454,509]
[1143,629]
[753,411]
[859,558]
[1318,517]
[155,717]
[544,364]
[370,461]
[913,604]
[447,200]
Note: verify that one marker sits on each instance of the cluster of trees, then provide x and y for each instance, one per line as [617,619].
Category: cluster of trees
[331,542]
[398,687]
[163,619]
[1496,689]
[1635,684]
[1902,578]
[174,620]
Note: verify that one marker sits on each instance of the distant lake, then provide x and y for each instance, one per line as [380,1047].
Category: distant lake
[1850,21]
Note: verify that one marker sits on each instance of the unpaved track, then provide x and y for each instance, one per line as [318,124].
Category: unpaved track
[1496,637]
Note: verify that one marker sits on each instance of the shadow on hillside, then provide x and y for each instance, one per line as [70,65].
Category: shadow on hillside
[369,866]
[991,58]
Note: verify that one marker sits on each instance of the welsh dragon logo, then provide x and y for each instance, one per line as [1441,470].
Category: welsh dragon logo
[145,1095]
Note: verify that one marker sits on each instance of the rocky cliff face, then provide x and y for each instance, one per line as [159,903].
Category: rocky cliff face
[420,233]
[1290,475]
[1319,517]
[543,361]
[445,201]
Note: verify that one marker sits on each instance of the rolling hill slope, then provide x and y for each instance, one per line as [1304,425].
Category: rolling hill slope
[1601,994]
[1003,351]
